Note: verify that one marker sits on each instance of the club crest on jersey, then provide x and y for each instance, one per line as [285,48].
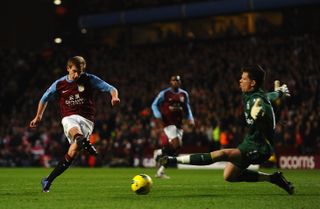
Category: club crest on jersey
[181,99]
[80,88]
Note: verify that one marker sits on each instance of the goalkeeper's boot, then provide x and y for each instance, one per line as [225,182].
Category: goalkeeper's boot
[45,185]
[89,147]
[278,179]
[168,161]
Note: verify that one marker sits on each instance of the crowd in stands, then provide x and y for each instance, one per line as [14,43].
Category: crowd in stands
[124,135]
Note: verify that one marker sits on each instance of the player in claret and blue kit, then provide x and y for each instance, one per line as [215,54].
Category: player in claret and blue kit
[74,93]
[171,106]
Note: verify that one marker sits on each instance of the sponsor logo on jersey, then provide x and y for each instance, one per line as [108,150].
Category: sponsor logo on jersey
[74,100]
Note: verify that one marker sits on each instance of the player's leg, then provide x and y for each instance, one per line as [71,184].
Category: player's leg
[233,173]
[174,136]
[85,144]
[64,163]
[164,142]
[204,158]
[80,133]
[72,129]
[58,170]
[237,171]
[171,150]
[253,154]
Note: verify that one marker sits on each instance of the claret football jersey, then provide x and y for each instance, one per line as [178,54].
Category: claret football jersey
[75,97]
[172,106]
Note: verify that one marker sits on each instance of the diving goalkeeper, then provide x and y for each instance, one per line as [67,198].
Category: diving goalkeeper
[256,147]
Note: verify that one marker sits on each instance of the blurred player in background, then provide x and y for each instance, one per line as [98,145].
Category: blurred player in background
[256,147]
[171,106]
[74,93]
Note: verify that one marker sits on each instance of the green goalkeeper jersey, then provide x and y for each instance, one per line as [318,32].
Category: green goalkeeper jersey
[256,146]
[260,130]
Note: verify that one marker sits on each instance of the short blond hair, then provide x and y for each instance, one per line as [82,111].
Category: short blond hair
[77,61]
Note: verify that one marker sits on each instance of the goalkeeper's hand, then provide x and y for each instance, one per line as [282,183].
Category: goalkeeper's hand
[256,110]
[282,89]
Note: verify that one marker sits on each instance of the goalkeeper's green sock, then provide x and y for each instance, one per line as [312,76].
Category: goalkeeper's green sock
[196,159]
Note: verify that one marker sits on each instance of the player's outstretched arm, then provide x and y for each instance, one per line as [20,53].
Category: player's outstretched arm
[283,89]
[114,97]
[103,86]
[41,108]
[279,91]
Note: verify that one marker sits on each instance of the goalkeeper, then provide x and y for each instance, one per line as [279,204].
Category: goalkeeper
[256,147]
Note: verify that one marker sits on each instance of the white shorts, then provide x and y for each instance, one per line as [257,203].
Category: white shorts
[173,132]
[84,125]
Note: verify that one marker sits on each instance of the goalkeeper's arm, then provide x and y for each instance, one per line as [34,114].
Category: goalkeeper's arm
[279,91]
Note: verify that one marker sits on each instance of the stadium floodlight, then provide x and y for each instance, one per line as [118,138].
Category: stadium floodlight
[57,2]
[58,40]
[84,31]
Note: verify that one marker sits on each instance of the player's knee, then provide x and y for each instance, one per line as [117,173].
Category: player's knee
[229,177]
[219,155]
[226,177]
[80,141]
[224,154]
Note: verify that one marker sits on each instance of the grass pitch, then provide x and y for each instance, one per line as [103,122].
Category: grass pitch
[97,188]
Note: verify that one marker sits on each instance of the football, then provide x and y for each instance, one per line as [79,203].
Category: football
[141,184]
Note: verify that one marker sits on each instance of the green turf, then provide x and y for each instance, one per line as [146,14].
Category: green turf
[110,188]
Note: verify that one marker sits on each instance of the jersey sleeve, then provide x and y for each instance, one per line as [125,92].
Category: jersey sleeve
[155,105]
[273,95]
[100,84]
[50,93]
[189,112]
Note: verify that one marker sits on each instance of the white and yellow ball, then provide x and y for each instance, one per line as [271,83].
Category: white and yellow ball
[141,184]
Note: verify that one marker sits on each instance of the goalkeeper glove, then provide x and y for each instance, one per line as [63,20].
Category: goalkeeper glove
[283,90]
[256,110]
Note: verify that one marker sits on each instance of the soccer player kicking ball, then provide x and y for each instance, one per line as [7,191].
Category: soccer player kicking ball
[255,148]
[74,94]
